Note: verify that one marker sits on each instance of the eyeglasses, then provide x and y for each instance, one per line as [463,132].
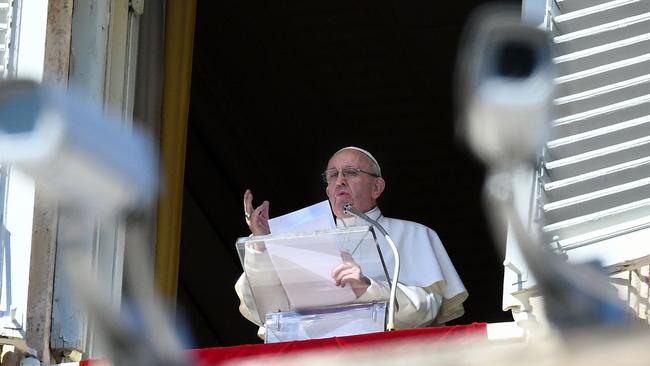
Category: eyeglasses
[349,172]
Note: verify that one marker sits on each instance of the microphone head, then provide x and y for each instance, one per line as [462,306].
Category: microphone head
[346,208]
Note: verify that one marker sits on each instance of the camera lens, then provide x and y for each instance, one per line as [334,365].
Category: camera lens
[515,59]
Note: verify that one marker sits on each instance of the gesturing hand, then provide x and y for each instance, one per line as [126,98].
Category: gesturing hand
[349,272]
[257,219]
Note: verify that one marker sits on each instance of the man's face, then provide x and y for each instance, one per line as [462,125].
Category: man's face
[362,191]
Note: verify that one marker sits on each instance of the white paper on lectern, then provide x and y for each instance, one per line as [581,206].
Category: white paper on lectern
[304,266]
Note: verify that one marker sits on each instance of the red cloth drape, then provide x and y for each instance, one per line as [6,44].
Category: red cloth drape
[215,356]
[218,355]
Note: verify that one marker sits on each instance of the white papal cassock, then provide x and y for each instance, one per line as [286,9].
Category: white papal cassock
[430,292]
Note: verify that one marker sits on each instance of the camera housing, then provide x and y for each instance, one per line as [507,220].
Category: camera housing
[504,87]
[75,152]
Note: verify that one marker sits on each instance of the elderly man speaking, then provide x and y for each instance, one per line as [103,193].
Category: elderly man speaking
[430,292]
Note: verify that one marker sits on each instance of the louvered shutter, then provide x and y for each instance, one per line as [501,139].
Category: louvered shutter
[5,37]
[594,183]
[591,194]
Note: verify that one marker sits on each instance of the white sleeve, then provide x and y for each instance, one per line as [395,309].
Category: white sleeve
[269,293]
[417,306]
[247,305]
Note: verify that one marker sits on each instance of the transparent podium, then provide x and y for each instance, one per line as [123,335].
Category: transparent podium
[290,277]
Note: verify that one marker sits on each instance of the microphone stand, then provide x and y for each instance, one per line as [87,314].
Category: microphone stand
[390,324]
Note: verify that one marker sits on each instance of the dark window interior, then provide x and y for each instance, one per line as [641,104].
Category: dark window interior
[277,87]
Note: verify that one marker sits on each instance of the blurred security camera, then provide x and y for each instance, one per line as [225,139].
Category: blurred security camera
[504,84]
[73,150]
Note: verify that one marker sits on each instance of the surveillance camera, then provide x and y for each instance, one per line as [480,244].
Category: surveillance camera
[505,84]
[73,150]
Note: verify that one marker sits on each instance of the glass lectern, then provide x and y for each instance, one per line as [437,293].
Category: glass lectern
[290,277]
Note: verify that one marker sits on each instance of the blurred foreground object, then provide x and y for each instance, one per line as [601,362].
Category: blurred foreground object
[585,350]
[505,78]
[73,150]
[505,84]
[94,167]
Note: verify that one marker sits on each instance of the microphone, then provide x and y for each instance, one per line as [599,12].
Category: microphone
[349,209]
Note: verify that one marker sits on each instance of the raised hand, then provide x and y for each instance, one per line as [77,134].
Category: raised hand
[257,219]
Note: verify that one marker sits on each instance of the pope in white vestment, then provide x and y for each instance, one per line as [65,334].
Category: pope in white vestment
[430,292]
